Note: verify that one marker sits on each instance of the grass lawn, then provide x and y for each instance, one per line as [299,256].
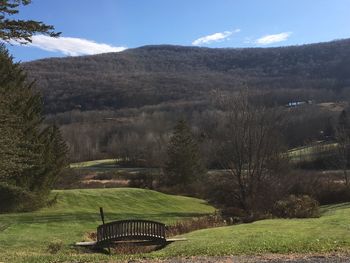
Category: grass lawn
[309,153]
[329,233]
[106,165]
[94,163]
[24,237]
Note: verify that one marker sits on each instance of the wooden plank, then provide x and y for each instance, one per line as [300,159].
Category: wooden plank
[175,239]
[86,244]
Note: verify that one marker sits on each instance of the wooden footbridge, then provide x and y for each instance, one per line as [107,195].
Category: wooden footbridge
[144,232]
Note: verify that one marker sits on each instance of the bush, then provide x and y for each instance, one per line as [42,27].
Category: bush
[326,188]
[182,227]
[323,162]
[296,207]
[113,175]
[17,199]
[141,180]
[233,212]
[220,190]
[69,178]
[333,193]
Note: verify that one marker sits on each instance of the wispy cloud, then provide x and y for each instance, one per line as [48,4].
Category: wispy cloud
[71,46]
[216,37]
[270,39]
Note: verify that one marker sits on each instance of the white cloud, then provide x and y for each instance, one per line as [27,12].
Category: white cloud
[270,39]
[71,46]
[216,37]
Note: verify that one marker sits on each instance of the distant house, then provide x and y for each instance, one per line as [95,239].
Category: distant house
[297,103]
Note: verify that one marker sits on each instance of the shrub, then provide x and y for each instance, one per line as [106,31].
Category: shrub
[322,162]
[111,175]
[141,180]
[296,207]
[233,212]
[333,193]
[219,190]
[326,188]
[69,178]
[17,199]
[193,224]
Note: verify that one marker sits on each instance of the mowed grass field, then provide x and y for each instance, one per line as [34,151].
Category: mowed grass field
[94,163]
[25,237]
[329,233]
[311,152]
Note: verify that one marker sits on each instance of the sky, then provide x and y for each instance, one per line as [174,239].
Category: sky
[92,27]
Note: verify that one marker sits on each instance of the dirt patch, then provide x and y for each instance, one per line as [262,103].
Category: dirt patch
[113,183]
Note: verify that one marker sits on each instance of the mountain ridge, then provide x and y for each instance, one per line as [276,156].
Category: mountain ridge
[154,74]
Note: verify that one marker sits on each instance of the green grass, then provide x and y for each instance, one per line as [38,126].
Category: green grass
[309,153]
[26,236]
[330,232]
[77,211]
[107,165]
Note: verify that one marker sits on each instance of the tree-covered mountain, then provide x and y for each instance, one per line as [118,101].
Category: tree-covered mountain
[151,75]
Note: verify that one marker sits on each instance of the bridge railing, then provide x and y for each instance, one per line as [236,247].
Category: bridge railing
[131,230]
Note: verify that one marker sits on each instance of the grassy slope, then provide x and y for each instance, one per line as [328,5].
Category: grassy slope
[308,153]
[76,212]
[93,163]
[331,232]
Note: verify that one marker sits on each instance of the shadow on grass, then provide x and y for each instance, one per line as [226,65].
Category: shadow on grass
[330,208]
[3,226]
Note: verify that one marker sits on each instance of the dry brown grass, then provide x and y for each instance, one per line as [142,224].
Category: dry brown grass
[182,227]
[130,248]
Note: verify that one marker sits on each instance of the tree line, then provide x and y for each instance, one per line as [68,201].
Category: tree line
[256,178]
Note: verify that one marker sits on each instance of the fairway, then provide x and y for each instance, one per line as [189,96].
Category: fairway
[77,212]
[309,153]
[94,163]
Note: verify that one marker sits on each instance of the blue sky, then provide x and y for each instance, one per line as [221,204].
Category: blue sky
[91,27]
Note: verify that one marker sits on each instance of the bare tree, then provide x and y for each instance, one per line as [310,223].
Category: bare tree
[342,137]
[252,151]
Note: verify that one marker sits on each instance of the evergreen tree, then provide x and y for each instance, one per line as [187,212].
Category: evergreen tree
[31,156]
[184,165]
[13,159]
[17,29]
[53,159]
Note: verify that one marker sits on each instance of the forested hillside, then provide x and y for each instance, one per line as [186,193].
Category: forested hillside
[152,75]
[125,104]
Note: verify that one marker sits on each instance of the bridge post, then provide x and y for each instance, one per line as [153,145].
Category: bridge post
[104,229]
